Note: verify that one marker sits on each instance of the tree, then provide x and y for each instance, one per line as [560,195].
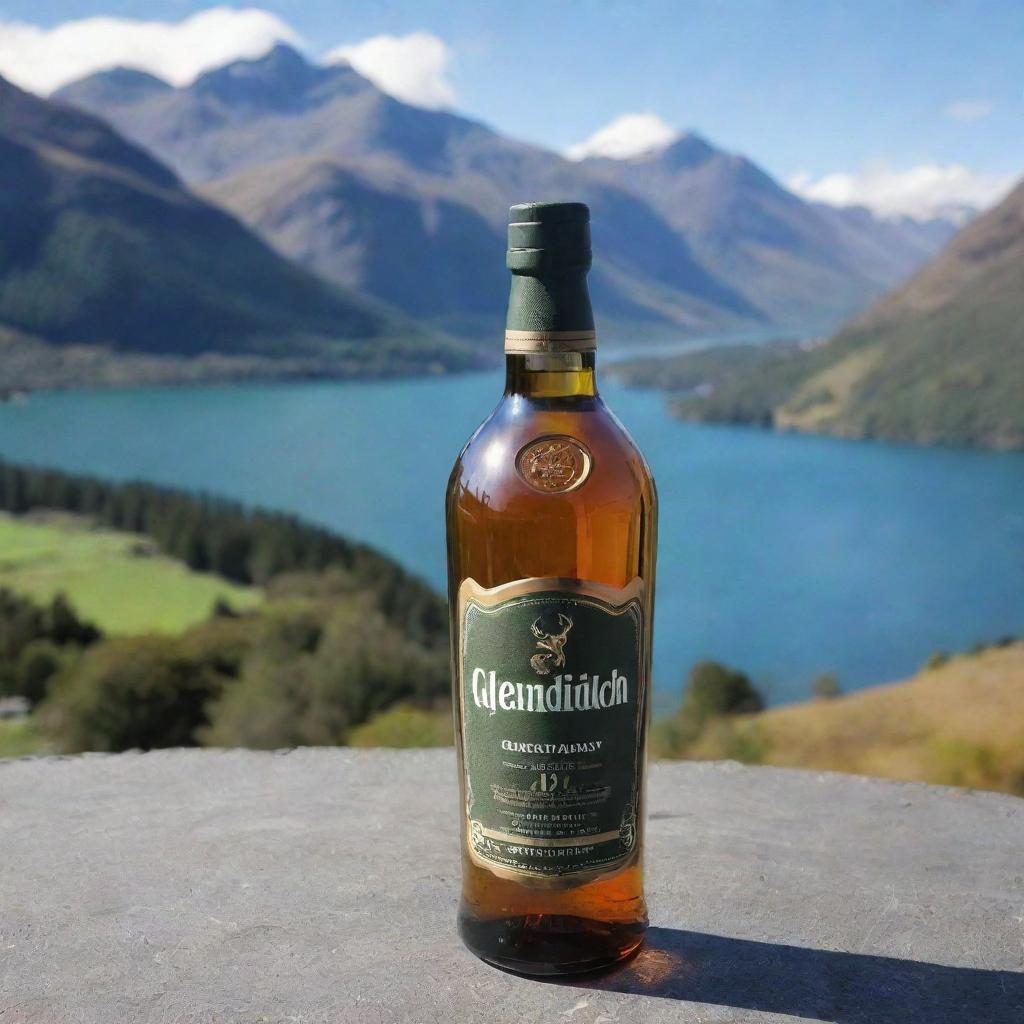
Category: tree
[63,626]
[713,689]
[131,692]
[222,609]
[711,695]
[319,670]
[37,664]
[826,687]
[36,641]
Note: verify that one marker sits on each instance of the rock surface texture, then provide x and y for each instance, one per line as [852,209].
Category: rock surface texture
[321,885]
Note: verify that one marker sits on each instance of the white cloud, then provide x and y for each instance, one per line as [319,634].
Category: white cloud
[969,110]
[627,136]
[44,59]
[413,68]
[927,190]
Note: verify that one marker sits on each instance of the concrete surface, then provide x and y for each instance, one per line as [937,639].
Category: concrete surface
[320,885]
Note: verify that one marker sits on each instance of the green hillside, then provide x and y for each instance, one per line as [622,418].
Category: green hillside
[218,624]
[938,361]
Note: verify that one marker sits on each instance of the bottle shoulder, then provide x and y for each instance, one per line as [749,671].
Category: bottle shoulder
[489,463]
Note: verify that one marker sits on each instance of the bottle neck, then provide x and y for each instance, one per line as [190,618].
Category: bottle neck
[549,332]
[543,375]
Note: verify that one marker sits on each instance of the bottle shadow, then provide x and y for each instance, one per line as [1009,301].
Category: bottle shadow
[819,984]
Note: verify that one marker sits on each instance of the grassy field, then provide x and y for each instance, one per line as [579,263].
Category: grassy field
[958,724]
[119,581]
[19,738]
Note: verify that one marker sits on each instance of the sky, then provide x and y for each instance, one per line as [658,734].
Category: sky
[905,106]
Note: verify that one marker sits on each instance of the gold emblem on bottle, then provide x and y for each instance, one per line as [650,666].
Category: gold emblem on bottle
[553,464]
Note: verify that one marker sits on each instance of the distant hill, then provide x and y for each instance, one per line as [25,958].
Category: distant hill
[938,360]
[100,245]
[409,205]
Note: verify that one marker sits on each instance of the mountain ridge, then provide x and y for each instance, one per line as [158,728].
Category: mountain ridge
[644,272]
[659,267]
[759,236]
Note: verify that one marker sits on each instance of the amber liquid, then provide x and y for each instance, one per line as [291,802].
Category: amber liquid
[500,529]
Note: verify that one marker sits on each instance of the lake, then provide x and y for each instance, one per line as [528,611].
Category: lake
[786,556]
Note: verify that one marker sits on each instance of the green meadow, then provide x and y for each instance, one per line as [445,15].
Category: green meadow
[119,581]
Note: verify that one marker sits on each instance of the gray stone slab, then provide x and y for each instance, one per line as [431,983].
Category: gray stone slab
[321,885]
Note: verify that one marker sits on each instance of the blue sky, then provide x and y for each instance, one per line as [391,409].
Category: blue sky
[836,86]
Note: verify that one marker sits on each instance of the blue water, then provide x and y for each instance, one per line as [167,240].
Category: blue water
[784,555]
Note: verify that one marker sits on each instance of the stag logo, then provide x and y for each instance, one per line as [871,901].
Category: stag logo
[552,646]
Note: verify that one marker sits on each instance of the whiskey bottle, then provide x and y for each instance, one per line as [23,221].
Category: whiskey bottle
[551,519]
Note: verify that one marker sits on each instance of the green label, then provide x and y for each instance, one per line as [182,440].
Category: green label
[553,704]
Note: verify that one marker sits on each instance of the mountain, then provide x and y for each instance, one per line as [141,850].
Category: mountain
[939,360]
[409,205]
[378,232]
[893,247]
[100,244]
[319,160]
[789,257]
[434,247]
[118,85]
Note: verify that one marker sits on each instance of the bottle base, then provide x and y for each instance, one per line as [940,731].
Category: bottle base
[549,944]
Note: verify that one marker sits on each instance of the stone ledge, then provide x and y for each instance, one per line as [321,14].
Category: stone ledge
[320,885]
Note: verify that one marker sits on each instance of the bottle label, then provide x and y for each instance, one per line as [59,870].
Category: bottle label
[553,696]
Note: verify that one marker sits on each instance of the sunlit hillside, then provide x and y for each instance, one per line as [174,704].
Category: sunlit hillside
[959,723]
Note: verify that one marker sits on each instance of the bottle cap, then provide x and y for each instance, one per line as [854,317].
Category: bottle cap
[549,256]
[547,238]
